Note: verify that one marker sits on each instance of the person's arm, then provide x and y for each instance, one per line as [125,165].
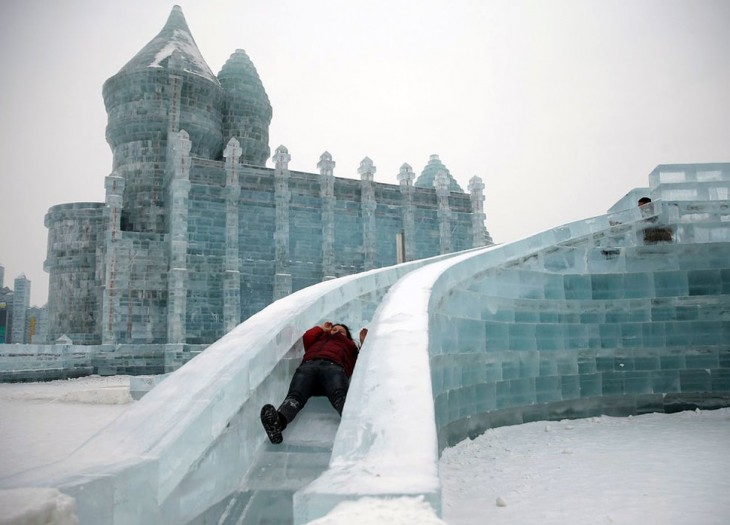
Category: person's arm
[311,335]
[363,335]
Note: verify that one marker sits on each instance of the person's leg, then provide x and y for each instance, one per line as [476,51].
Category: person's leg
[335,383]
[300,390]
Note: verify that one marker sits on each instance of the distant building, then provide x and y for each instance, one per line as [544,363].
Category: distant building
[6,302]
[196,234]
[19,309]
[35,325]
[19,322]
[5,294]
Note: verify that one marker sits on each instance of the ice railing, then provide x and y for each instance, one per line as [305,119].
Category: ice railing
[387,443]
[132,469]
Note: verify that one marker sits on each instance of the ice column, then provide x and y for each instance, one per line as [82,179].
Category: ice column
[178,191]
[368,205]
[327,193]
[441,183]
[114,185]
[405,178]
[282,277]
[232,277]
[479,230]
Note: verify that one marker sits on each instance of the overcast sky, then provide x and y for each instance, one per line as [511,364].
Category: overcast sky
[561,107]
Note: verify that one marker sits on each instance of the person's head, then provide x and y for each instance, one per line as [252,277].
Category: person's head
[339,328]
[644,200]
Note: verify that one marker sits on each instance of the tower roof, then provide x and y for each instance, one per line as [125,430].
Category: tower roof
[174,37]
[239,74]
[427,176]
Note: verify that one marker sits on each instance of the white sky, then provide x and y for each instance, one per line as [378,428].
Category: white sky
[561,107]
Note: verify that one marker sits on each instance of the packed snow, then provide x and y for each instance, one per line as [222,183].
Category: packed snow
[654,468]
[45,422]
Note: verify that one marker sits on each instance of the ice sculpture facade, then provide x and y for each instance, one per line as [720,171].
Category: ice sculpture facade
[196,234]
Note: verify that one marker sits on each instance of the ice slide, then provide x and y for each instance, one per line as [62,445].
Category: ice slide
[192,450]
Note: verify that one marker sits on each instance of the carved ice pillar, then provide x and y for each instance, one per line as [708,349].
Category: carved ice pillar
[441,183]
[480,235]
[282,196]
[114,185]
[232,272]
[177,197]
[368,205]
[405,178]
[327,193]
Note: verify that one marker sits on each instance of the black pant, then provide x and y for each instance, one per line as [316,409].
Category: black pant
[318,377]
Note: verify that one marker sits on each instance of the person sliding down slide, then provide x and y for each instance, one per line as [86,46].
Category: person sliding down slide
[329,359]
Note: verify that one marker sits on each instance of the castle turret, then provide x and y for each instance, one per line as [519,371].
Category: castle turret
[246,109]
[165,88]
[428,175]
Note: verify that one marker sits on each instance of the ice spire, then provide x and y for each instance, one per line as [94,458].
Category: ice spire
[174,36]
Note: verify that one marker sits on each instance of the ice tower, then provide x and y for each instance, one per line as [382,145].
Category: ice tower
[246,108]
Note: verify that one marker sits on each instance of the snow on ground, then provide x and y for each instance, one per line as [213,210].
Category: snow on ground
[36,506]
[44,422]
[655,468]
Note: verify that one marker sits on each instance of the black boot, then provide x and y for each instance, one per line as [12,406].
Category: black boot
[274,423]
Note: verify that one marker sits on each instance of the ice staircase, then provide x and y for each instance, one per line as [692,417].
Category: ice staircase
[623,313]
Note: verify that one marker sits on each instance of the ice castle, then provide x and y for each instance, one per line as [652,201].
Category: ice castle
[196,234]
[624,313]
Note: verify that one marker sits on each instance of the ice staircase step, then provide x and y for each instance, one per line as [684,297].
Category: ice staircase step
[265,495]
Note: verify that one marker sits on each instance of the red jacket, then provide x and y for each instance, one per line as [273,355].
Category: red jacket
[338,348]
